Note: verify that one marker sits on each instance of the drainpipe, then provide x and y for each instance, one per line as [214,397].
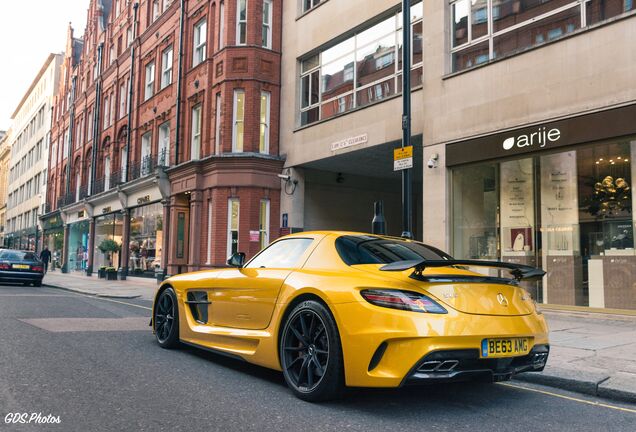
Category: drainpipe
[179,84]
[70,137]
[96,108]
[130,91]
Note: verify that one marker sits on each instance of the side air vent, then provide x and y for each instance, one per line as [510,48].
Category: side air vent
[198,303]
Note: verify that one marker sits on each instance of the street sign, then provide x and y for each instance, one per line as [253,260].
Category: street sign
[402,158]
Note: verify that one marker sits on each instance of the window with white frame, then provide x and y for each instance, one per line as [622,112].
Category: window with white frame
[263,223]
[156,10]
[238,120]
[241,22]
[485,30]
[166,5]
[89,126]
[149,88]
[107,173]
[146,149]
[122,100]
[343,76]
[267,24]
[310,4]
[106,112]
[233,210]
[129,37]
[195,138]
[264,130]
[166,67]
[217,124]
[199,41]
[210,229]
[124,164]
[222,25]
[164,144]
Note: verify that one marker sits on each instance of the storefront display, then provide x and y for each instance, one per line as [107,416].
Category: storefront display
[77,255]
[146,238]
[108,239]
[569,212]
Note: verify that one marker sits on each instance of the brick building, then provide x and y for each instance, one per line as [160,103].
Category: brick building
[164,136]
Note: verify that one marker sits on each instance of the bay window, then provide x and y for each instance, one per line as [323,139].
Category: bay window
[238,120]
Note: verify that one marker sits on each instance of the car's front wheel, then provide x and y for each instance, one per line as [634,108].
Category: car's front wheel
[311,354]
[166,319]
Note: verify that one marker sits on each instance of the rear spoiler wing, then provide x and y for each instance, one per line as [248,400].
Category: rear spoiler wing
[519,272]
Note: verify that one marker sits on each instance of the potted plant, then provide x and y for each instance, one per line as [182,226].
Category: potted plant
[108,247]
[101,272]
[111,273]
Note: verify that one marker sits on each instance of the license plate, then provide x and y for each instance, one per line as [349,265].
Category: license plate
[21,266]
[507,347]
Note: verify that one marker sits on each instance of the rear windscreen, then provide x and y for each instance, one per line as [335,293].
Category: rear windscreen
[13,255]
[361,249]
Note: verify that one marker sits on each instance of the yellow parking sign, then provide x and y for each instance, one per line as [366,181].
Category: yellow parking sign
[402,158]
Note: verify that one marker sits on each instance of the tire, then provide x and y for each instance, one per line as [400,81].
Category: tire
[37,283]
[166,319]
[311,353]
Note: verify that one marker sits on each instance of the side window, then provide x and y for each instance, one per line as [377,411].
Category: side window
[282,254]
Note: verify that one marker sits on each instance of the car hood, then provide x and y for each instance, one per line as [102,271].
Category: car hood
[490,297]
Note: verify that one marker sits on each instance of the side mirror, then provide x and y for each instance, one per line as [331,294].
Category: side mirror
[236,260]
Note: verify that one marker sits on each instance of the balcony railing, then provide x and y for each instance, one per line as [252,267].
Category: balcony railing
[148,165]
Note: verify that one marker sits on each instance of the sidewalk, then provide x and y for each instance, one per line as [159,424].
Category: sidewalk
[132,287]
[591,353]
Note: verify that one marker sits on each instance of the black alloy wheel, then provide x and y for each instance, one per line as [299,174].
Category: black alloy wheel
[166,319]
[311,355]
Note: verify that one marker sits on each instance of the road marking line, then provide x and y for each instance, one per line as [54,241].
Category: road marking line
[111,300]
[633,411]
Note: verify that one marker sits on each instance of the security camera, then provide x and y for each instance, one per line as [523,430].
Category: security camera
[433,162]
[285,177]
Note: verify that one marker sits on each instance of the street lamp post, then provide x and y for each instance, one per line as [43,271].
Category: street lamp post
[407,196]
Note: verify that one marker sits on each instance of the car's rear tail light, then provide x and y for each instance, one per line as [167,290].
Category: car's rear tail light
[5,266]
[403,300]
[37,268]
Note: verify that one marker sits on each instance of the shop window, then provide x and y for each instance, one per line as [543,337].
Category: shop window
[233,226]
[108,237]
[570,213]
[475,203]
[146,238]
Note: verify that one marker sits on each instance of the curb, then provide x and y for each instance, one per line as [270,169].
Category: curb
[90,293]
[580,381]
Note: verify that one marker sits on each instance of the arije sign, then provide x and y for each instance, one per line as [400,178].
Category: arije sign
[541,137]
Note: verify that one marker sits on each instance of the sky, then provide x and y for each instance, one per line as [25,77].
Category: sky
[29,31]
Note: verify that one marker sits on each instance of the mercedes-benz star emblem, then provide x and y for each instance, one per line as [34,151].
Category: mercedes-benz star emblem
[502,299]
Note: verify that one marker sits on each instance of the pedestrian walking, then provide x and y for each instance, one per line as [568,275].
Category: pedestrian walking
[45,256]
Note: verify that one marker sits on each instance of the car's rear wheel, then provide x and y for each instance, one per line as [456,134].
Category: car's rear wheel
[166,319]
[311,354]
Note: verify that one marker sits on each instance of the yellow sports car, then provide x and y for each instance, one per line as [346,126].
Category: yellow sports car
[335,309]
